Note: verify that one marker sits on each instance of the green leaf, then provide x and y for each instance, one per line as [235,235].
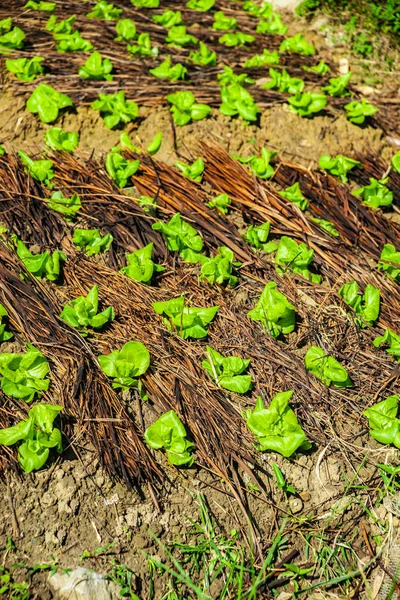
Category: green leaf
[389,255]
[24,375]
[169,433]
[72,42]
[168,18]
[143,46]
[366,305]
[228,372]
[25,69]
[338,85]
[4,335]
[42,5]
[184,108]
[257,10]
[125,365]
[238,101]
[257,237]
[283,82]
[338,165]
[384,425]
[262,60]
[307,104]
[182,237]
[116,108]
[203,56]
[321,68]
[120,169]
[57,139]
[146,3]
[295,258]
[47,102]
[104,10]
[40,170]
[40,265]
[92,241]
[236,39]
[219,269]
[222,22]
[273,25]
[326,368]
[96,68]
[294,194]
[228,76]
[193,171]
[63,26]
[376,194]
[141,266]
[274,311]
[297,44]
[201,5]
[66,206]
[82,312]
[395,163]
[184,320]
[358,111]
[221,202]
[326,226]
[166,71]
[391,339]
[126,30]
[178,36]
[11,40]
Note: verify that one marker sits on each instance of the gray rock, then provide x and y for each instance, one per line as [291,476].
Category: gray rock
[82,584]
[285,4]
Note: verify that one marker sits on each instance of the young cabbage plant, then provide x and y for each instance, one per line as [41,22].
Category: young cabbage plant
[4,335]
[276,428]
[143,46]
[72,42]
[366,306]
[257,237]
[178,36]
[37,435]
[260,165]
[40,170]
[221,202]
[390,339]
[390,255]
[66,206]
[126,30]
[104,10]
[338,165]
[238,38]
[126,365]
[168,433]
[338,86]
[294,258]
[321,68]
[166,70]
[141,266]
[219,269]
[297,44]
[307,104]
[42,5]
[120,169]
[326,226]
[274,311]
[258,10]
[57,139]
[357,111]
[326,368]
[44,265]
[147,203]
[273,25]
[96,68]
[283,82]
[238,101]
[146,3]
[25,69]
[63,26]
[201,5]
[203,56]
[262,60]
[383,422]
[83,312]
[294,195]
[193,171]
[116,108]
[47,102]
[185,109]
[169,18]
[185,321]
[91,241]
[228,371]
[183,238]
[222,22]
[376,194]
[228,76]
[24,375]
[395,162]
[11,38]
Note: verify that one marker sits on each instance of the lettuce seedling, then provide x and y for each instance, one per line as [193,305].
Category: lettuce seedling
[120,169]
[82,312]
[307,104]
[147,203]
[221,202]
[63,26]
[140,265]
[276,428]
[297,44]
[37,435]
[358,111]
[72,42]
[389,255]
[42,5]
[155,144]
[238,101]
[321,68]
[169,433]
[4,335]
[383,422]
[24,375]
[126,30]
[43,265]
[228,76]
[273,25]
[236,39]
[25,69]
[47,102]
[57,139]
[228,372]
[258,10]
[366,306]
[395,162]
[326,368]
[281,81]
[274,311]
[338,86]
[178,36]
[326,226]
[143,46]
[185,321]
[183,238]
[184,108]
[262,60]
[260,165]
[338,165]
[40,170]
[92,241]
[96,68]
[116,108]
[66,206]
[126,365]
[201,5]
[391,339]
[219,269]
[168,19]
[294,194]
[257,237]
[193,171]
[146,3]
[376,194]
[5,25]
[166,71]
[203,56]
[222,22]
[2,152]
[295,258]
[10,39]
[104,10]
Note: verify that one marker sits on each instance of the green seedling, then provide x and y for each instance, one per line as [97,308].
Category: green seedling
[219,269]
[169,18]
[281,481]
[184,108]
[146,3]
[39,170]
[147,203]
[276,428]
[281,81]
[357,112]
[91,241]
[126,30]
[96,68]
[260,165]
[395,162]
[383,422]
[228,76]
[47,102]
[43,265]
[366,306]
[2,152]
[258,10]
[326,226]
[25,69]
[326,368]
[307,104]
[104,10]
[338,86]
[295,258]
[37,435]
[297,44]
[83,312]
[321,68]
[183,238]
[390,255]
[143,46]
[203,56]
[185,321]
[140,265]
[66,206]
[376,194]
[201,5]
[11,38]
[120,169]
[221,202]
[390,477]
[155,144]
[273,25]
[257,237]
[169,433]
[116,108]
[338,165]
[274,311]
[24,375]
[228,371]
[390,339]
[262,60]
[42,5]
[72,42]
[4,335]
[178,36]
[63,26]
[236,39]
[57,139]
[166,71]
[238,101]
[294,195]
[126,365]
[193,171]
[222,22]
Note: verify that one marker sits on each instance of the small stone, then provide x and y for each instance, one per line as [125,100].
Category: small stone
[296,505]
[82,584]
[305,496]
[48,499]
[343,66]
